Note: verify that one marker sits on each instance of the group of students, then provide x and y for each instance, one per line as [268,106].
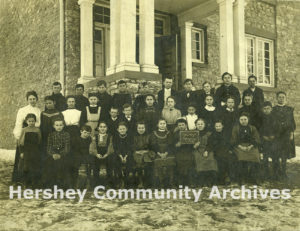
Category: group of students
[139,142]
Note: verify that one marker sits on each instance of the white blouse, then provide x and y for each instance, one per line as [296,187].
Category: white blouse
[22,113]
[72,117]
[190,119]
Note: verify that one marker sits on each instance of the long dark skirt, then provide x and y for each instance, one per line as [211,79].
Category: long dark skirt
[16,174]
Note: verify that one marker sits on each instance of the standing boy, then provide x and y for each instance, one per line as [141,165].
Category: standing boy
[60,100]
[165,92]
[122,97]
[105,99]
[81,100]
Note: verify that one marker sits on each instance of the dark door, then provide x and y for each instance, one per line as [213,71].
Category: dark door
[167,56]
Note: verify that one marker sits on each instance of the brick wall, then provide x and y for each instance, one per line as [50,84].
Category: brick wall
[29,57]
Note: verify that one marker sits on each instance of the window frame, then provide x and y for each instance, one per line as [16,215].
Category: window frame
[201,45]
[256,40]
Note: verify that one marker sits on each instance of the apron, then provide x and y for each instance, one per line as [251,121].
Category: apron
[251,156]
[93,119]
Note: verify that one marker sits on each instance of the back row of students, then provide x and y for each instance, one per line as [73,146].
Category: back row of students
[121,121]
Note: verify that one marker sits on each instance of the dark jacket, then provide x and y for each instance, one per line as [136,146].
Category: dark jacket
[258,97]
[223,92]
[161,100]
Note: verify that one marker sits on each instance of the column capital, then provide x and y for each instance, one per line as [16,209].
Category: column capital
[91,2]
[224,1]
[239,2]
[188,25]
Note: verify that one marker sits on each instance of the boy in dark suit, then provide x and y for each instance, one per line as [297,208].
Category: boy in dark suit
[81,101]
[165,92]
[122,97]
[105,99]
[60,100]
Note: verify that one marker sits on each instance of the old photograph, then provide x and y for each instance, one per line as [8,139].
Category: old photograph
[149,115]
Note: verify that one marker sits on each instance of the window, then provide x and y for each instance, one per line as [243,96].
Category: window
[197,45]
[101,14]
[158,26]
[99,66]
[260,59]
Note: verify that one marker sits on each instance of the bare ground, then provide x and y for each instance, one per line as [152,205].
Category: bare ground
[207,214]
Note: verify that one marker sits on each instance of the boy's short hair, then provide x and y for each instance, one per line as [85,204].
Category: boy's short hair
[91,94]
[141,122]
[101,82]
[143,84]
[121,82]
[209,95]
[181,120]
[219,121]
[252,76]
[168,77]
[57,118]
[122,123]
[267,103]
[29,93]
[86,128]
[226,73]
[56,83]
[79,85]
[49,97]
[70,96]
[280,92]
[248,95]
[205,82]
[188,80]
[102,122]
[245,114]
[126,105]
[30,116]
[114,108]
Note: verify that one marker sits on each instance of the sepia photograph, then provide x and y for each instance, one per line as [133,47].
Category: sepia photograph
[150,115]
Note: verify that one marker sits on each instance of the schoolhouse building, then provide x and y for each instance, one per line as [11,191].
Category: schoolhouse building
[82,41]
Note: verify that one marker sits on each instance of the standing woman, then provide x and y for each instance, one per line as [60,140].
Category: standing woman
[32,99]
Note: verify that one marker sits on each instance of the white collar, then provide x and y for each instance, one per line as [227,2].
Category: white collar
[168,89]
[229,109]
[209,108]
[114,119]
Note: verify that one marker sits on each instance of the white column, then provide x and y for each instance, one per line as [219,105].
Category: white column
[239,40]
[114,36]
[226,36]
[146,36]
[127,36]
[86,40]
[186,50]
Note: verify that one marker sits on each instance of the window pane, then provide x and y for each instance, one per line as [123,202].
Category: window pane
[106,20]
[193,45]
[198,55]
[267,63]
[159,31]
[98,18]
[159,23]
[106,11]
[98,35]
[267,46]
[197,45]
[98,9]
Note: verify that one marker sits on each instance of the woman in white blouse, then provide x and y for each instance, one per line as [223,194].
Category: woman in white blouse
[32,99]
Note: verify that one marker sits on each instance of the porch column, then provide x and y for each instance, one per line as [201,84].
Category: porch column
[146,36]
[127,39]
[239,40]
[226,36]
[186,50]
[86,40]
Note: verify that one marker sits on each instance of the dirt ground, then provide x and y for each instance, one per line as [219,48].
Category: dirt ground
[206,214]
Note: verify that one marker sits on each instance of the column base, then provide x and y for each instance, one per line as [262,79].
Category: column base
[85,79]
[149,68]
[111,70]
[127,67]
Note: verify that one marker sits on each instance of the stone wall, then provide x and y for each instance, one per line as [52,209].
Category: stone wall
[280,20]
[29,56]
[210,71]
[72,44]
